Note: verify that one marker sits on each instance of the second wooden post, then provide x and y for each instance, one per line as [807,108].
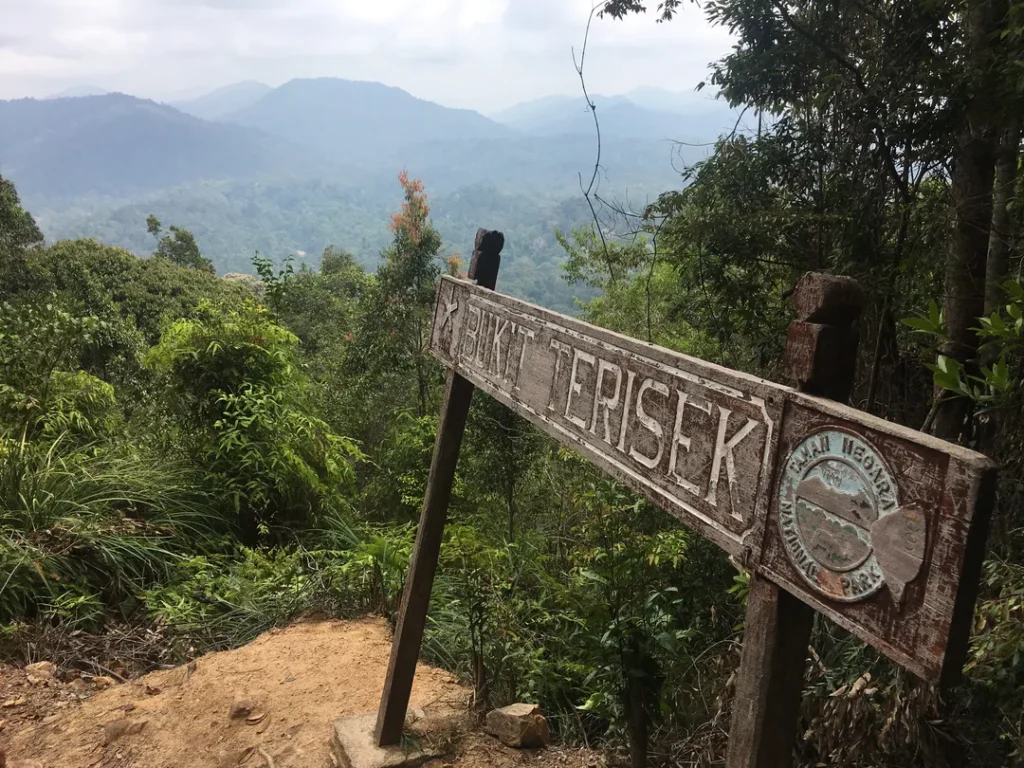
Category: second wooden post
[821,356]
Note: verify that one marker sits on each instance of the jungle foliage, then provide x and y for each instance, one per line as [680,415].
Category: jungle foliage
[206,457]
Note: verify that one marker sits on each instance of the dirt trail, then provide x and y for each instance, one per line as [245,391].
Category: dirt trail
[300,679]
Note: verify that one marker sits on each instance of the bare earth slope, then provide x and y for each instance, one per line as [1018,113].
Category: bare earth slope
[300,680]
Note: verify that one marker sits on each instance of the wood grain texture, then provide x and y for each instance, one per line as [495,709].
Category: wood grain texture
[694,438]
[777,629]
[925,631]
[766,704]
[711,446]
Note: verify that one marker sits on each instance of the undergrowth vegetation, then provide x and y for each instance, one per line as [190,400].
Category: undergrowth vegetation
[187,461]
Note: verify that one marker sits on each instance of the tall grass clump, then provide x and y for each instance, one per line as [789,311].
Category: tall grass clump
[84,531]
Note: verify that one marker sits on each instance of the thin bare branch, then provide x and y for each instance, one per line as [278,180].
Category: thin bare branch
[587,192]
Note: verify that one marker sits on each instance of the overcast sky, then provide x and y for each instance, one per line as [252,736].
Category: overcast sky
[483,54]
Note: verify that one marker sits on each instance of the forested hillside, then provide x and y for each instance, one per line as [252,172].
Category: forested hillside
[188,459]
[65,149]
[233,221]
[288,171]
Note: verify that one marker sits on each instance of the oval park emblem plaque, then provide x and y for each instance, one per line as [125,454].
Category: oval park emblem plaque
[841,523]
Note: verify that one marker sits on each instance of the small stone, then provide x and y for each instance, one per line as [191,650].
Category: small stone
[152,690]
[519,725]
[256,719]
[101,682]
[241,707]
[10,703]
[43,670]
[50,719]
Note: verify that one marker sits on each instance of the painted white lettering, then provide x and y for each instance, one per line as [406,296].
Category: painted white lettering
[651,423]
[575,386]
[561,349]
[630,377]
[481,348]
[471,335]
[527,335]
[723,451]
[603,403]
[681,440]
[499,330]
[507,375]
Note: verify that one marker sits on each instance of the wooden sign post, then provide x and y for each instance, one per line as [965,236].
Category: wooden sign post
[879,527]
[412,616]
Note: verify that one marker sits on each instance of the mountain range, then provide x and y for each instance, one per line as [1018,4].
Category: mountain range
[119,145]
[643,113]
[92,163]
[340,130]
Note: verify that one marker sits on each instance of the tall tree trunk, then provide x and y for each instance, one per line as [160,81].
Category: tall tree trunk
[481,682]
[973,175]
[885,323]
[511,499]
[1000,239]
[1000,245]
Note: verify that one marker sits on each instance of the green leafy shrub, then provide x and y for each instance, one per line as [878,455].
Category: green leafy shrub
[235,386]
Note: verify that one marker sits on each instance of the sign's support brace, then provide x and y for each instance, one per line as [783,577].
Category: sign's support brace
[412,616]
[821,354]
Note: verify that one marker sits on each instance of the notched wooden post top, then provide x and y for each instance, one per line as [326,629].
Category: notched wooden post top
[821,344]
[828,299]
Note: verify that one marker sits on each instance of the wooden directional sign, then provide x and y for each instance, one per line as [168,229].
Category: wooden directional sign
[879,527]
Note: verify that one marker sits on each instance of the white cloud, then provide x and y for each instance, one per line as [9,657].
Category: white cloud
[484,54]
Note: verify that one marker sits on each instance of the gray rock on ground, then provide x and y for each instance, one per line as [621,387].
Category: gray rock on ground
[519,725]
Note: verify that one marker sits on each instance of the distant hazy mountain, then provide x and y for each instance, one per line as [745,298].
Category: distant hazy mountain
[552,164]
[218,104]
[685,102]
[682,117]
[122,145]
[77,91]
[358,121]
[536,115]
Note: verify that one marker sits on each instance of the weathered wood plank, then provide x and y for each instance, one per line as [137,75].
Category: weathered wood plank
[789,483]
[916,621]
[693,437]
